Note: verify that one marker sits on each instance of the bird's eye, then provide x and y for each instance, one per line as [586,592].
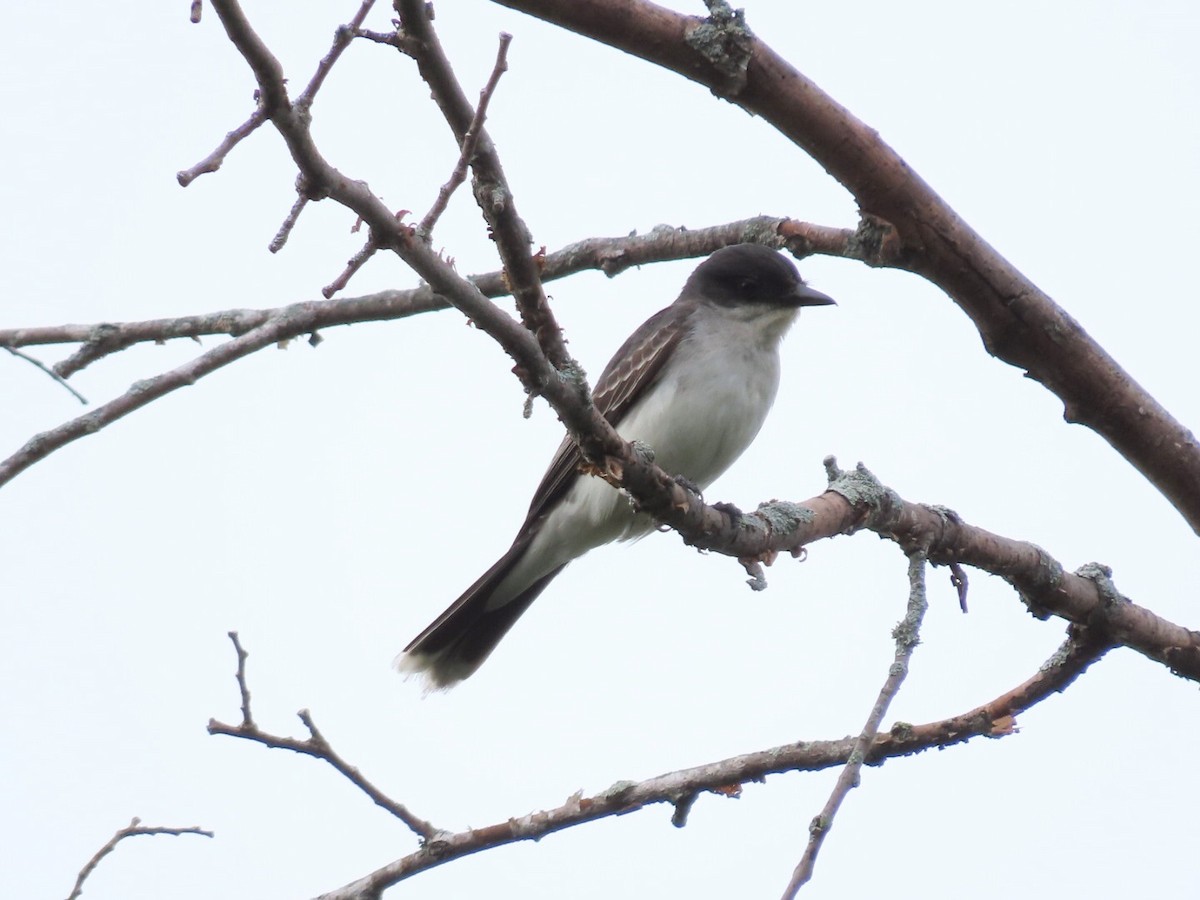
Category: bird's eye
[747,284]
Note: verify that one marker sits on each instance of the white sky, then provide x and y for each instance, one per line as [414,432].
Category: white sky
[328,503]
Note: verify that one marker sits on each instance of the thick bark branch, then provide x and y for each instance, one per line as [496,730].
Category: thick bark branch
[1019,324]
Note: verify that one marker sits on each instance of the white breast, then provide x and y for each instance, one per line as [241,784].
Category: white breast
[709,404]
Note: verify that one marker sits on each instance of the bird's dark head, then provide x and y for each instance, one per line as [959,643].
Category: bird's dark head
[751,273]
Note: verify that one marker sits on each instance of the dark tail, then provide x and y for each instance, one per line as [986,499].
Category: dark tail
[461,638]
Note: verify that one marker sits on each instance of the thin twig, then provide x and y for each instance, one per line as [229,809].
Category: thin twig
[492,191]
[289,222]
[907,635]
[356,262]
[316,746]
[391,38]
[341,40]
[41,365]
[213,161]
[133,829]
[144,392]
[469,142]
[610,255]
[243,688]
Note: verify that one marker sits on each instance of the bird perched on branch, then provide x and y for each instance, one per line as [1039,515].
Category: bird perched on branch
[695,383]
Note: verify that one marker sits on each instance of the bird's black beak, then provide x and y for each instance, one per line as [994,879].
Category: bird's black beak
[804,295]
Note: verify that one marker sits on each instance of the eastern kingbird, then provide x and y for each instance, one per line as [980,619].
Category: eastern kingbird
[694,382]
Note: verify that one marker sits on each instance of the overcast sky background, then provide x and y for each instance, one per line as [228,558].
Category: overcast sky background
[328,503]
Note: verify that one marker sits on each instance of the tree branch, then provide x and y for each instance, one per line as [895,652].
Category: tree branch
[141,393]
[133,829]
[907,635]
[994,719]
[216,159]
[610,255]
[470,141]
[38,364]
[316,746]
[256,329]
[491,188]
[1019,323]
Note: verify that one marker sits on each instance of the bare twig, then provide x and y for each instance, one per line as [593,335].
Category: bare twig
[289,222]
[907,635]
[133,829]
[141,393]
[681,789]
[391,38]
[316,746]
[213,161]
[37,363]
[243,687]
[469,142]
[492,191]
[102,340]
[610,255]
[356,262]
[341,40]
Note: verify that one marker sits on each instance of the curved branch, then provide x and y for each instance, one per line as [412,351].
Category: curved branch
[725,778]
[1019,323]
[38,364]
[134,828]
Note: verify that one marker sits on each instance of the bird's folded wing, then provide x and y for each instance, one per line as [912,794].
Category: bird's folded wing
[624,381]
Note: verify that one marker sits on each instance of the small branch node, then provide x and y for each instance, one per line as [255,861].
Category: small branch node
[683,808]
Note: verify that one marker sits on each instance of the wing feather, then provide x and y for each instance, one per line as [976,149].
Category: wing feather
[629,374]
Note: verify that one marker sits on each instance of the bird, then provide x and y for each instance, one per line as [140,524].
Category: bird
[694,382]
